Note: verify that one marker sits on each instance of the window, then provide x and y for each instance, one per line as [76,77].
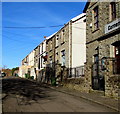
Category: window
[95,18]
[63,58]
[96,58]
[63,36]
[41,61]
[44,58]
[27,59]
[112,11]
[117,51]
[57,61]
[47,47]
[50,59]
[57,37]
[42,48]
[39,64]
[57,57]
[57,53]
[50,44]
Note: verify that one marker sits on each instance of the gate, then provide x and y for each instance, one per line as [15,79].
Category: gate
[98,82]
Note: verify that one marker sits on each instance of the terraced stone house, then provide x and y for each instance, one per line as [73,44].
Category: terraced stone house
[62,55]
[34,62]
[66,49]
[103,46]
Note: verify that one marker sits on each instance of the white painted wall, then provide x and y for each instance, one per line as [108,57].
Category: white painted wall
[44,46]
[20,72]
[31,58]
[23,70]
[32,72]
[78,42]
[42,54]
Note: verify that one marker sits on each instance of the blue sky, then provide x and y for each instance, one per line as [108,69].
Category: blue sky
[18,42]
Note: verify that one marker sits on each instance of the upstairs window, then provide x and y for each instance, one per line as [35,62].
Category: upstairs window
[63,36]
[50,59]
[50,44]
[27,59]
[95,18]
[42,48]
[63,57]
[57,57]
[112,11]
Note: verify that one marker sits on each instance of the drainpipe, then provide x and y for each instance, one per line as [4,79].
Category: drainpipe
[70,49]
[69,43]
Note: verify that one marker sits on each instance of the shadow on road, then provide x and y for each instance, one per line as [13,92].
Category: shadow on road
[25,88]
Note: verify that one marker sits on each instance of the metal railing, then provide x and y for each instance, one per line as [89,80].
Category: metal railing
[55,70]
[76,72]
[106,65]
[116,66]
[109,66]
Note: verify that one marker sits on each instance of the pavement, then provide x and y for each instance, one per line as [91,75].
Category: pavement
[96,97]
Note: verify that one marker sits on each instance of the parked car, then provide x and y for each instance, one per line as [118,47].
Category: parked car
[3,74]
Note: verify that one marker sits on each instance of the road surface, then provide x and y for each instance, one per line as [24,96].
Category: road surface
[26,96]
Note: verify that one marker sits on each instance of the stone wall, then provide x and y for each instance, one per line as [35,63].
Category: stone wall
[76,83]
[112,86]
[111,80]
[104,46]
[81,83]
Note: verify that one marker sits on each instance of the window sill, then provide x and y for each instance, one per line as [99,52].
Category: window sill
[50,50]
[56,46]
[62,43]
[95,30]
[82,76]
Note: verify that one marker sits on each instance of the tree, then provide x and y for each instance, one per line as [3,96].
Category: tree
[14,69]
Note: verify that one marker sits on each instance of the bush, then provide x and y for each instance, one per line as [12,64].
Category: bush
[53,81]
[32,77]
[28,76]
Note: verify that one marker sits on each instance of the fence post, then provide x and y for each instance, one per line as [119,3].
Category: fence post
[75,72]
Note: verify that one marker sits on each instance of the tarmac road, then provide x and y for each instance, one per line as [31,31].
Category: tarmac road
[26,96]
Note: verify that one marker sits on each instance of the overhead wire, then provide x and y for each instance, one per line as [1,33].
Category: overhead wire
[39,27]
[24,35]
[20,41]
[34,27]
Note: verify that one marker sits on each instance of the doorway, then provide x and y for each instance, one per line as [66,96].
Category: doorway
[98,82]
[117,59]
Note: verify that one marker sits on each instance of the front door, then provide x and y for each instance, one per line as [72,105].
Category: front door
[117,58]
